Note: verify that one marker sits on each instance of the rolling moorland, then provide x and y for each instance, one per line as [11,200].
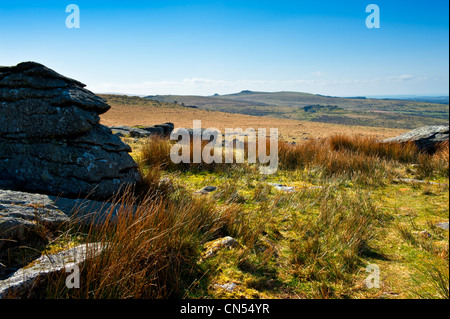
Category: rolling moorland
[348,204]
[340,201]
[132,110]
[361,111]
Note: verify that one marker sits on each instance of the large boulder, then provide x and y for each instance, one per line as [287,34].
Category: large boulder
[166,127]
[51,140]
[426,138]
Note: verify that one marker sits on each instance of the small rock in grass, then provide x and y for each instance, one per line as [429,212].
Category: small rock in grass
[214,246]
[229,286]
[206,190]
[282,187]
[443,225]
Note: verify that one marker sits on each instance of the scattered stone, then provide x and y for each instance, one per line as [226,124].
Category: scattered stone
[166,127]
[206,190]
[24,282]
[417,181]
[315,187]
[130,131]
[214,246]
[229,286]
[153,130]
[203,132]
[285,188]
[140,131]
[425,138]
[282,187]
[443,225]
[51,140]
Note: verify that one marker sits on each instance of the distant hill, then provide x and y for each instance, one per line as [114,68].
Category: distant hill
[392,113]
[444,99]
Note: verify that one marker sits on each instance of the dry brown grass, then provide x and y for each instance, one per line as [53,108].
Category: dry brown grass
[155,152]
[367,145]
[330,247]
[333,162]
[355,157]
[151,248]
[153,245]
[436,164]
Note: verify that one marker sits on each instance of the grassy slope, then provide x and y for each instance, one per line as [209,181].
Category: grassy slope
[310,243]
[367,112]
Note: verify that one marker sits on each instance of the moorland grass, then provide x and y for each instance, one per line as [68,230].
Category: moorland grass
[311,243]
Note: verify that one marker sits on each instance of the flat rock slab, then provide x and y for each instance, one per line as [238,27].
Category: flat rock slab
[23,281]
[143,131]
[417,181]
[21,224]
[443,225]
[206,190]
[21,214]
[285,188]
[282,187]
[131,131]
[425,138]
[229,286]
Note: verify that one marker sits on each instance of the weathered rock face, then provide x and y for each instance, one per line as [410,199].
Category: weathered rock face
[426,138]
[26,282]
[51,140]
[28,220]
[22,214]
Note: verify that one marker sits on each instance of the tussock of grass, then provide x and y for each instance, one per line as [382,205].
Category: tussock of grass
[403,153]
[432,281]
[156,153]
[152,249]
[436,165]
[330,246]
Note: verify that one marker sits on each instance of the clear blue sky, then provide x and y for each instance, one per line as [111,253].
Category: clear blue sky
[206,47]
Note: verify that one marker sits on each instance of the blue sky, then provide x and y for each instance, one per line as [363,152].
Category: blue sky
[206,47]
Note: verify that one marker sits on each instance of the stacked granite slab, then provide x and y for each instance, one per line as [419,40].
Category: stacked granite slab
[51,140]
[162,130]
[426,138]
